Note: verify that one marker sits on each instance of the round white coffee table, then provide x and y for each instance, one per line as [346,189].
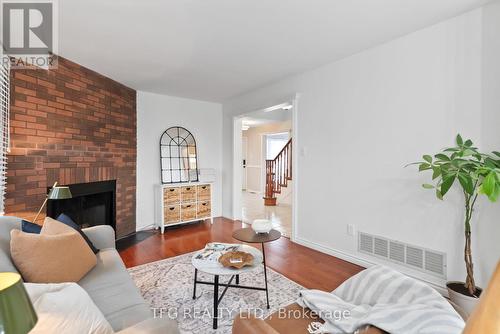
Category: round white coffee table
[212,266]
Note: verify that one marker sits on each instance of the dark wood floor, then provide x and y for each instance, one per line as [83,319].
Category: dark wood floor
[309,268]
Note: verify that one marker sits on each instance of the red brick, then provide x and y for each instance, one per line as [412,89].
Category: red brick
[36,100]
[64,101]
[43,133]
[17,151]
[46,84]
[35,191]
[54,92]
[56,104]
[23,77]
[24,91]
[37,126]
[71,130]
[20,124]
[23,104]
[23,131]
[37,113]
[71,86]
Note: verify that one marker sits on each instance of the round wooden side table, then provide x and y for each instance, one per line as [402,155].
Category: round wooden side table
[249,236]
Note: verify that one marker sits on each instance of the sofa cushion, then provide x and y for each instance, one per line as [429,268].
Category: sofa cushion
[45,258]
[7,224]
[65,308]
[113,291]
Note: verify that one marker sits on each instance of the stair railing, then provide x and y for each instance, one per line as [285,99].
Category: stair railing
[278,173]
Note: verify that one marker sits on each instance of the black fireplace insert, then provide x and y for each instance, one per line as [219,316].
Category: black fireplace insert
[92,204]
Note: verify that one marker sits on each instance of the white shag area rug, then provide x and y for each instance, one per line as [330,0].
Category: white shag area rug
[167,285]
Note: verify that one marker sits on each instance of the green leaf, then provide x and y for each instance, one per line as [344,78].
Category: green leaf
[466,182]
[442,156]
[494,196]
[436,172]
[427,158]
[438,194]
[459,140]
[424,166]
[427,186]
[489,183]
[496,153]
[447,183]
[468,152]
[468,143]
[490,163]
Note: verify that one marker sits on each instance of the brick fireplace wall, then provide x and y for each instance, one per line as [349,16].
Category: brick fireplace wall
[71,125]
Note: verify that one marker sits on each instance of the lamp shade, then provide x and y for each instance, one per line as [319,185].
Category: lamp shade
[17,314]
[59,193]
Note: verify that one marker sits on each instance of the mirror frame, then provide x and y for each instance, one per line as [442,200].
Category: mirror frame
[177,141]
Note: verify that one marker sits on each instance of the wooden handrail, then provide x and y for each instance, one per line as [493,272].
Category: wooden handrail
[278,173]
[288,143]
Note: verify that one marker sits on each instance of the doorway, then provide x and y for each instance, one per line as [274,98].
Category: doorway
[262,135]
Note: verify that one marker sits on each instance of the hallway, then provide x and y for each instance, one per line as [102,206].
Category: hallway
[280,215]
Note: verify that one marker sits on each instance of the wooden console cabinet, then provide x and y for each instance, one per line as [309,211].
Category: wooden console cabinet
[183,203]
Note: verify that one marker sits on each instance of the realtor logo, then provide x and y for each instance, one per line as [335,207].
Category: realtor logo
[29,32]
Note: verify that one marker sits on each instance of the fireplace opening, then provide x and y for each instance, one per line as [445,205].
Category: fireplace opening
[92,204]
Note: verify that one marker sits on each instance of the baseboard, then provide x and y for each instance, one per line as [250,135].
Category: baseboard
[147,227]
[437,285]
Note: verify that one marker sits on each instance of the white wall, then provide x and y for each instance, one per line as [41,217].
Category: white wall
[155,114]
[361,120]
[488,227]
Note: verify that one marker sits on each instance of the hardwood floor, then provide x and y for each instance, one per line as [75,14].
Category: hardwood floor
[309,268]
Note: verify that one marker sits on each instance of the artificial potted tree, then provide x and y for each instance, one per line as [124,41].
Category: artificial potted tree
[477,174]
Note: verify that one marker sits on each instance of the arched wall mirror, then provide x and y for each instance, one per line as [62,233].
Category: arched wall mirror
[178,158]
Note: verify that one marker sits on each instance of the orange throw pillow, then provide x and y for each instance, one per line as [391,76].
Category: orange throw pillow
[58,254]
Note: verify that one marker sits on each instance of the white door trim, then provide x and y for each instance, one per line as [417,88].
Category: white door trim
[244,142]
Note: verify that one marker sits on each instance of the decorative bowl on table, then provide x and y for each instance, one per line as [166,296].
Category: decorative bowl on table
[262,226]
[236,259]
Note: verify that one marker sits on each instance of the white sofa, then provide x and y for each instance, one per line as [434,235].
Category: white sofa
[108,283]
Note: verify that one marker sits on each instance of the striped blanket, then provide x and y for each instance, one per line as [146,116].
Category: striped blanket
[384,298]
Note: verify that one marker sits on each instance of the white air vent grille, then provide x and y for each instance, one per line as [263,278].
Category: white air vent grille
[366,243]
[381,247]
[434,262]
[414,257]
[397,252]
[419,258]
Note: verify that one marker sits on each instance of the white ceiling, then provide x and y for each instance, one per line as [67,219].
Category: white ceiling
[215,49]
[261,117]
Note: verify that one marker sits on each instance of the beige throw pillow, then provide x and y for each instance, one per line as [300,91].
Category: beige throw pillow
[58,254]
[53,227]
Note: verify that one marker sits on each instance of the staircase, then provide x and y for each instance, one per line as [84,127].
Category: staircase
[278,174]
